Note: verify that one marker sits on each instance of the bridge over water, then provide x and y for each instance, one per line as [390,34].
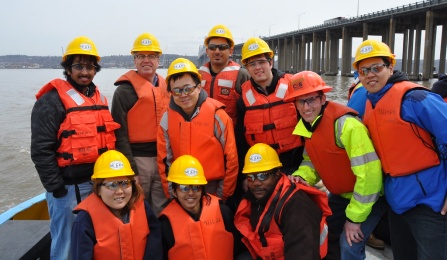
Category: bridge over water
[317,48]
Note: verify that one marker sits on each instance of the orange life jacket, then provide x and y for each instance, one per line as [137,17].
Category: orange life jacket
[330,161]
[144,117]
[88,128]
[205,147]
[273,247]
[199,240]
[401,146]
[224,86]
[114,239]
[269,119]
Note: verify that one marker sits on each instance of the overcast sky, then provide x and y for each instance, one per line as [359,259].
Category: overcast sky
[43,28]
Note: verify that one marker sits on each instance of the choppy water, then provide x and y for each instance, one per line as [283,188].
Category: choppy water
[19,177]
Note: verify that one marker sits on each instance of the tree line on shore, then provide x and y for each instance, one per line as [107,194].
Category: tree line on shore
[53,62]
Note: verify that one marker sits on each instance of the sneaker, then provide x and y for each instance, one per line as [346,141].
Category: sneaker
[375,242]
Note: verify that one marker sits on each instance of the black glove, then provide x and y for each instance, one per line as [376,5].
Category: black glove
[61,192]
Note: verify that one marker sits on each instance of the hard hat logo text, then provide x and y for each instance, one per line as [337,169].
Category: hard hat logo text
[366,49]
[297,85]
[179,66]
[85,46]
[116,165]
[146,42]
[191,172]
[255,158]
[220,31]
[253,47]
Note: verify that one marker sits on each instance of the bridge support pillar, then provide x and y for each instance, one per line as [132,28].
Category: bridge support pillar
[302,63]
[346,53]
[442,55]
[417,50]
[428,48]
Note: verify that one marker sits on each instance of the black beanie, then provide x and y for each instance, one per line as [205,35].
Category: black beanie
[440,86]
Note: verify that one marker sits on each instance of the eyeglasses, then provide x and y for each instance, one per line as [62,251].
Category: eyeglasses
[310,101]
[256,63]
[376,68]
[114,185]
[81,67]
[187,188]
[260,176]
[187,90]
[143,56]
[221,47]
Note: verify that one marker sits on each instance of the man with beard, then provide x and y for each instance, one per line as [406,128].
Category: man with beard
[280,219]
[70,127]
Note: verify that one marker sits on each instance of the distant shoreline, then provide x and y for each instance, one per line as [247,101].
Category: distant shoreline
[53,62]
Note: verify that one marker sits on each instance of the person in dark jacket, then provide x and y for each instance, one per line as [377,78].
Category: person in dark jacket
[280,219]
[70,126]
[115,222]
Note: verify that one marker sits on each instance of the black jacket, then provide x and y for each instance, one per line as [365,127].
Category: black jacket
[46,117]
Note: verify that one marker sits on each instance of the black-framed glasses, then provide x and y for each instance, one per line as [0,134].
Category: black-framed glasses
[256,63]
[187,188]
[144,56]
[221,47]
[260,176]
[81,67]
[310,101]
[186,90]
[376,68]
[114,185]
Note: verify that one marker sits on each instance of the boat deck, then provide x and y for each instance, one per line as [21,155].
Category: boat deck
[374,254]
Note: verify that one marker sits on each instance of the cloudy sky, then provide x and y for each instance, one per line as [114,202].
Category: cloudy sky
[44,27]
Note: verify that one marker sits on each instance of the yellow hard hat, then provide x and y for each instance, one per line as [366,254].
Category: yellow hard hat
[81,45]
[255,46]
[260,158]
[187,170]
[111,164]
[373,48]
[303,83]
[220,31]
[181,65]
[146,42]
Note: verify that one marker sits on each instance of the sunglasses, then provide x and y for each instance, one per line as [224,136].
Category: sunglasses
[310,101]
[260,176]
[376,68]
[187,90]
[81,67]
[221,47]
[114,185]
[187,188]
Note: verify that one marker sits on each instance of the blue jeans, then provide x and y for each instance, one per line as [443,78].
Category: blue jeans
[337,221]
[419,233]
[62,218]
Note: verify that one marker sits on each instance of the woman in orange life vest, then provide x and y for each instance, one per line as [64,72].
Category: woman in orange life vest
[196,225]
[115,222]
